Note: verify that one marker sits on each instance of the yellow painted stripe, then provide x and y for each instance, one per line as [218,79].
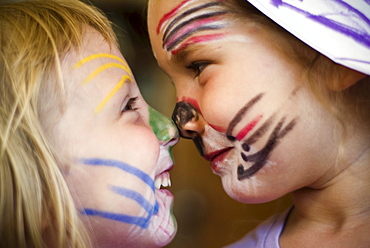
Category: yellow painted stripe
[102,68]
[112,93]
[98,56]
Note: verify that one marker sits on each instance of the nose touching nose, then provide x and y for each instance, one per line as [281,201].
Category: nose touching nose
[188,120]
[163,128]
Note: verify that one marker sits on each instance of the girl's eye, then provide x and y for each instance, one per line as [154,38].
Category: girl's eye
[197,67]
[130,105]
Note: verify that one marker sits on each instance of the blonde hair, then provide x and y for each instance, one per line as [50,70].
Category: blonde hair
[35,203]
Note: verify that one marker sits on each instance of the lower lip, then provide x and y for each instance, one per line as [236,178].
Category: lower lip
[163,222]
[217,160]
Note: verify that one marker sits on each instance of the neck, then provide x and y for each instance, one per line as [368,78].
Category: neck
[342,202]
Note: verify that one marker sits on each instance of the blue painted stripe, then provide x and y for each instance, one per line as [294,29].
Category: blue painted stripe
[123,166]
[139,221]
[134,196]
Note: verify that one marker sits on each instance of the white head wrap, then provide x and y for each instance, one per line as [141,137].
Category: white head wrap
[339,29]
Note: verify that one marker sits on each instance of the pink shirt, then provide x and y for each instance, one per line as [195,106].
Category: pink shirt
[266,235]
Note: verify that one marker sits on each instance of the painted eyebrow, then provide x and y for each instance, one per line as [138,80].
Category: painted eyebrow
[180,53]
[186,13]
[122,65]
[179,29]
[170,14]
[194,25]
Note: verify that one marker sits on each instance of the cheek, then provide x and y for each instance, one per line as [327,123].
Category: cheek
[221,103]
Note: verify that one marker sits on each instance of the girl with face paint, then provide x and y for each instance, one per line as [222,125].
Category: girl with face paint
[84,159]
[273,115]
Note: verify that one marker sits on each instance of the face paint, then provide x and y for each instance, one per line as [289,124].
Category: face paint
[185,112]
[122,65]
[260,158]
[162,126]
[149,208]
[193,102]
[193,19]
[239,116]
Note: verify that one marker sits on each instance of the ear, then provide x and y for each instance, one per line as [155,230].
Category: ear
[348,78]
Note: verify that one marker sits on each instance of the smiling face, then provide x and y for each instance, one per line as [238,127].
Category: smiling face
[118,150]
[241,101]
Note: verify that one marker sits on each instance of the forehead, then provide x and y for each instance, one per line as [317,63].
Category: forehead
[186,9]
[182,23]
[97,66]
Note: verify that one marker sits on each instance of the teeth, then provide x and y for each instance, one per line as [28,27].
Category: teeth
[158,183]
[162,180]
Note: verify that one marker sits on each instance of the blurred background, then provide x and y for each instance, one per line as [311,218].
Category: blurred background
[206,215]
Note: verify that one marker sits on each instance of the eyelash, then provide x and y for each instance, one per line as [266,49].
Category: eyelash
[130,105]
[197,67]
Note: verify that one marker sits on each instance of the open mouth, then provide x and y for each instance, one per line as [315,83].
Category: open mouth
[163,180]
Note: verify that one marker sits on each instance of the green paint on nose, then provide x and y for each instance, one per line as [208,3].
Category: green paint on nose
[160,124]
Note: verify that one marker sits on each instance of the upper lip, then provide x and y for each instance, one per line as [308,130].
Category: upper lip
[212,155]
[165,162]
[164,169]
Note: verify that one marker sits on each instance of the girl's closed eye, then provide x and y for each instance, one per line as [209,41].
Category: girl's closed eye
[197,67]
[130,105]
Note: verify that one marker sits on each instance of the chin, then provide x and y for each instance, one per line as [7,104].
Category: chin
[108,234]
[248,191]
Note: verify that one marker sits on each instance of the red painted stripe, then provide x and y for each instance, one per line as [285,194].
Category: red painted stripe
[170,14]
[248,128]
[197,39]
[190,27]
[193,102]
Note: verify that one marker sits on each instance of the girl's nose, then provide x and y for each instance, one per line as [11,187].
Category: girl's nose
[163,127]
[188,120]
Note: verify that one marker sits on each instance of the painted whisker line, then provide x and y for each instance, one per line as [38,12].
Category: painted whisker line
[134,220]
[131,194]
[123,166]
[199,144]
[149,208]
[242,112]
[260,131]
[260,158]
